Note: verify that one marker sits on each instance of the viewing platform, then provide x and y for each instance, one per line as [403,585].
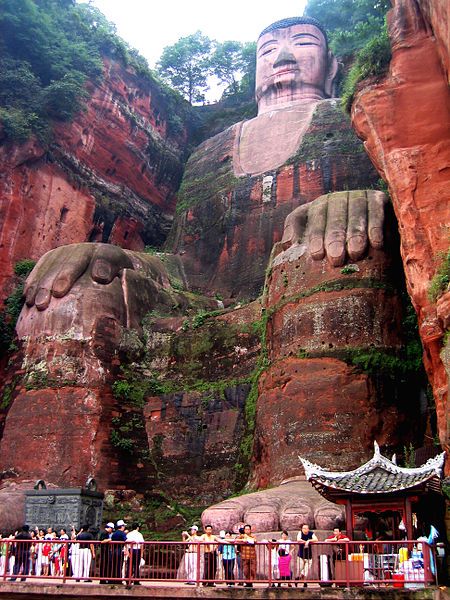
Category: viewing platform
[72,591]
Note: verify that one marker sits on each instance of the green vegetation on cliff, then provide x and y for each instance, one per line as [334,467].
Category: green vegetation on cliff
[357,36]
[372,61]
[49,49]
[441,280]
[13,305]
[350,24]
[48,52]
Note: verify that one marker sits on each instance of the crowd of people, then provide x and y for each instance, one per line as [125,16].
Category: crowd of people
[39,552]
[237,555]
[229,557]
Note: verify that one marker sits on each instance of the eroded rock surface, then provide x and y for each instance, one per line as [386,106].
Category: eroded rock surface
[110,176]
[227,225]
[405,123]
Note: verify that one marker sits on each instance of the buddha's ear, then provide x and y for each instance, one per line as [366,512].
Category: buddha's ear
[332,71]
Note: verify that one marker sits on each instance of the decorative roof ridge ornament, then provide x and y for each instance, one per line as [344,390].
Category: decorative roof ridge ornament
[434,464]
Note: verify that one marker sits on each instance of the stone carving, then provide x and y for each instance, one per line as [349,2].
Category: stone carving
[295,71]
[63,507]
[89,293]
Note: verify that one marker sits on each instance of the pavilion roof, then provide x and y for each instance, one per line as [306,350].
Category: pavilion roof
[377,476]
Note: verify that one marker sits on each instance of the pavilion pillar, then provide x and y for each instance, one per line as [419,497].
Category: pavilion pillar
[408,518]
[349,518]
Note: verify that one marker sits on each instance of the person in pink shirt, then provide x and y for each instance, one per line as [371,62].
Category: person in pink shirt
[284,566]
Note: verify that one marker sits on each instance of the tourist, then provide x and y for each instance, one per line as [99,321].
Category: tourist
[240,571]
[3,554]
[81,565]
[33,553]
[54,555]
[209,556]
[45,560]
[22,553]
[248,555]
[339,552]
[105,552]
[191,556]
[285,543]
[64,551]
[10,557]
[228,558]
[284,566]
[136,547]
[305,537]
[39,545]
[118,539]
[273,552]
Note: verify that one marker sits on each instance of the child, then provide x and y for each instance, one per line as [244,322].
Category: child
[284,566]
[45,562]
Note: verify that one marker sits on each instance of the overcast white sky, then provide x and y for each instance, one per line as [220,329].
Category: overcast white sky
[150,25]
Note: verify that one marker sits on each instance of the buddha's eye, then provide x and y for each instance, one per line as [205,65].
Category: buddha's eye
[305,44]
[267,51]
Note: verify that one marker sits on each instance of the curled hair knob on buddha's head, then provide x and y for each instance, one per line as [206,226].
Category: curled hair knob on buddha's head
[288,22]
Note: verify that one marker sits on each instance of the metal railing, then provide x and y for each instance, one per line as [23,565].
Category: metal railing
[283,563]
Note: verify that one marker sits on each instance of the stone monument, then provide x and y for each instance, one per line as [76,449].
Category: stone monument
[64,508]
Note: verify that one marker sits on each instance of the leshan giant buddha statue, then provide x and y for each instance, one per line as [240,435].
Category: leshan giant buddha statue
[275,189]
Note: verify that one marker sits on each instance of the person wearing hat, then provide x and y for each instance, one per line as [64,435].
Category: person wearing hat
[118,539]
[105,552]
[191,554]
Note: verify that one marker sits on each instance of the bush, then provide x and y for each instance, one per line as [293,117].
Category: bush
[13,305]
[17,124]
[441,279]
[372,61]
[24,267]
[63,99]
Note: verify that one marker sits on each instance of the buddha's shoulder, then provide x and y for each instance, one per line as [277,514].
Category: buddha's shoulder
[216,150]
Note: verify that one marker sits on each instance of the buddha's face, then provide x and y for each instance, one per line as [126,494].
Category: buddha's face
[292,63]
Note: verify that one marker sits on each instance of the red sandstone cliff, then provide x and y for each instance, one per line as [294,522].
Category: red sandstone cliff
[405,123]
[110,175]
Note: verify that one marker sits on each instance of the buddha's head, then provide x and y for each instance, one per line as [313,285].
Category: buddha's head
[293,63]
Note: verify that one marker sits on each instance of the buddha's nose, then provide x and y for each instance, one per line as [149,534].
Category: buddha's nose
[285,57]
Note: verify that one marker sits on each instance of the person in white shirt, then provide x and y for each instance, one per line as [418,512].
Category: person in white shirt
[191,554]
[136,546]
[285,543]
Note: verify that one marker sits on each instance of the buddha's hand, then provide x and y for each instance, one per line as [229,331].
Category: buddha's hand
[338,225]
[58,270]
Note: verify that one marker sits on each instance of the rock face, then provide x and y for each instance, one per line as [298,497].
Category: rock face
[405,123]
[193,386]
[111,175]
[82,418]
[226,225]
[312,401]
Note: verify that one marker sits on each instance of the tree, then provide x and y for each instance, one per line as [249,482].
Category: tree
[227,62]
[239,71]
[185,65]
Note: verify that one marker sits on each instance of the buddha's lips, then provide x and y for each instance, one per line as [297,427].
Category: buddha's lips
[284,71]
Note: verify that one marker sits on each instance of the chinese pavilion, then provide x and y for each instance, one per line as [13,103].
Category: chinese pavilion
[379,492]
